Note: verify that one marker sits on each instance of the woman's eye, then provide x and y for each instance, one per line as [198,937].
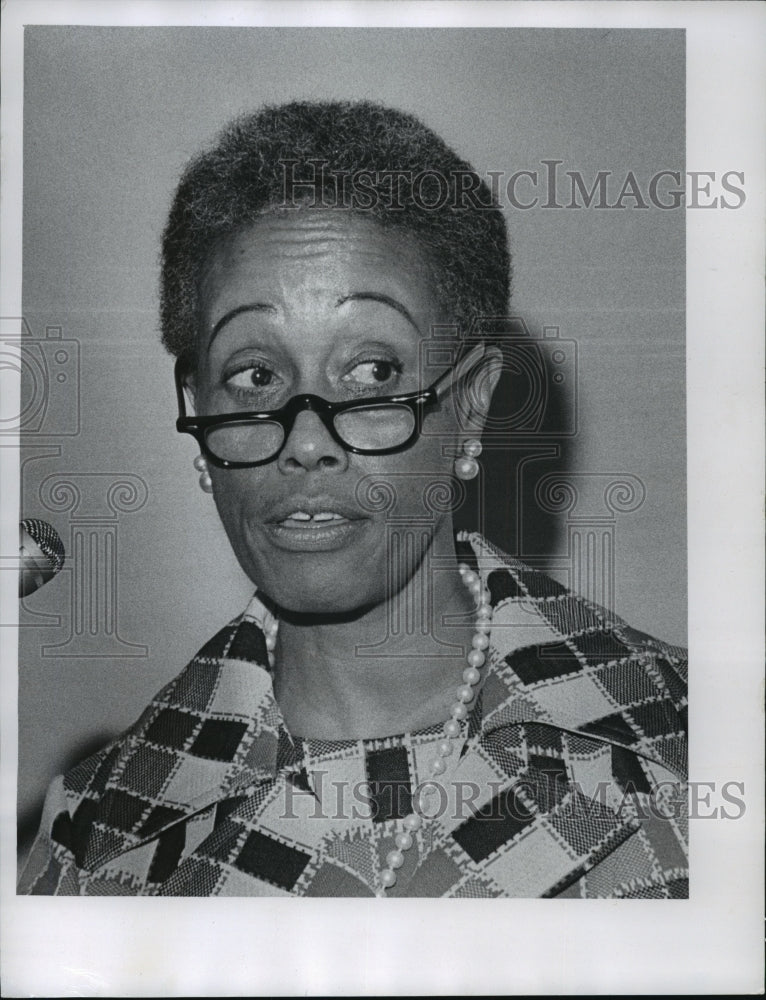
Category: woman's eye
[373,372]
[252,377]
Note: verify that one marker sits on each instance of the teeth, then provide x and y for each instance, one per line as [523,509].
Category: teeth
[301,515]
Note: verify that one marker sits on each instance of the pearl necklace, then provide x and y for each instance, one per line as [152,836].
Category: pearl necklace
[452,729]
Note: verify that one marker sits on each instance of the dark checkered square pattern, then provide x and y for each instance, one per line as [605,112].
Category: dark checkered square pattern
[501,585]
[332,880]
[168,853]
[600,647]
[214,648]
[123,810]
[248,644]
[271,860]
[540,663]
[172,728]
[388,772]
[656,718]
[499,821]
[194,877]
[158,818]
[61,830]
[218,739]
[627,771]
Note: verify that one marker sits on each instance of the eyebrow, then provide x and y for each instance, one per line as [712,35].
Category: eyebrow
[379,297]
[353,297]
[227,317]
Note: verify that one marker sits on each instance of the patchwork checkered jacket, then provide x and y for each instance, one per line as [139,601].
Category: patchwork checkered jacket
[568,781]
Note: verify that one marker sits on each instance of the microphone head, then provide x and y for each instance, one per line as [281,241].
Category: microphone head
[47,538]
[41,555]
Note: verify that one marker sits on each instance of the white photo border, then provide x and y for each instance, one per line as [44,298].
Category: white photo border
[708,944]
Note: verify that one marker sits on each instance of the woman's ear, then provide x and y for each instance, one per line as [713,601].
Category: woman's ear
[186,383]
[190,387]
[484,368]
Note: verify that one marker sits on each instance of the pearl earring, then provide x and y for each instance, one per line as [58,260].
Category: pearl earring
[205,482]
[466,466]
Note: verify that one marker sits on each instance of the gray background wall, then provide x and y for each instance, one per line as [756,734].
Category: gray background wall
[111,116]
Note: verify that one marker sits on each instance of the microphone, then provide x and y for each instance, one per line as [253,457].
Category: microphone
[41,555]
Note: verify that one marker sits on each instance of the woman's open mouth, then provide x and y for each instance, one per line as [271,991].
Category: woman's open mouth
[319,530]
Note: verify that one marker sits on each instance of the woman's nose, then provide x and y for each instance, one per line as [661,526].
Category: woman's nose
[310,445]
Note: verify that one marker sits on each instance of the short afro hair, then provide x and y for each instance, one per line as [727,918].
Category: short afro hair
[362,156]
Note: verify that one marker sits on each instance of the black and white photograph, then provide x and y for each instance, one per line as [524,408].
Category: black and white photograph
[375,378]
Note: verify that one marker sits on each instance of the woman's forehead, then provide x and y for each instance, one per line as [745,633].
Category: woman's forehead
[312,262]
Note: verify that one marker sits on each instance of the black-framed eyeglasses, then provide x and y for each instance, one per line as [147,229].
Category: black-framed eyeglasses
[376,425]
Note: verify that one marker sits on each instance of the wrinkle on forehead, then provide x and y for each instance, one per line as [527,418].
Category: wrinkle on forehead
[338,240]
[309,232]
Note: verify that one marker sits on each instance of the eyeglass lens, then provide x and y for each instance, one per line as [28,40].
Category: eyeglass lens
[374,428]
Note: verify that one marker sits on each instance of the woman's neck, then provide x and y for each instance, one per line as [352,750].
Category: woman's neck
[392,669]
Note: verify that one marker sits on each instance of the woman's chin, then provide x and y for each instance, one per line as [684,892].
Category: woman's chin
[307,602]
[318,586]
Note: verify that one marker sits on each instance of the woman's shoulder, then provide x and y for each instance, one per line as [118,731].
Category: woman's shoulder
[184,744]
[575,664]
[586,717]
[507,577]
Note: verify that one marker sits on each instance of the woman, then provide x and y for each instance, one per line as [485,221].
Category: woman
[393,714]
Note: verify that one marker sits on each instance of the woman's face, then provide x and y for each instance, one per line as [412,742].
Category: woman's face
[331,304]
